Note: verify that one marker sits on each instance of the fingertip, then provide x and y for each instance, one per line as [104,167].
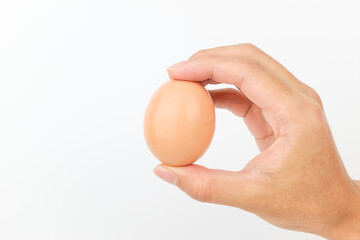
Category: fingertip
[187,71]
[165,174]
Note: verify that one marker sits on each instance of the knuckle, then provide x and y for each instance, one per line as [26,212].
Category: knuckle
[251,64]
[316,96]
[203,57]
[310,114]
[202,191]
[316,109]
[200,53]
[249,47]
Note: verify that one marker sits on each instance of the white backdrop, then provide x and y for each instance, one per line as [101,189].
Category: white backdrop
[75,79]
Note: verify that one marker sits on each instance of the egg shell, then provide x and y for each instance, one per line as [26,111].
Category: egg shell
[179,122]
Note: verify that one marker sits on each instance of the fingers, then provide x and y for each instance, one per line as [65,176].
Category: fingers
[236,102]
[256,83]
[208,185]
[232,100]
[249,51]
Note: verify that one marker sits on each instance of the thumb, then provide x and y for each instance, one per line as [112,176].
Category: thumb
[210,185]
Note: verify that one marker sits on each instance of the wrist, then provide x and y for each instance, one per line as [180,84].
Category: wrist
[348,227]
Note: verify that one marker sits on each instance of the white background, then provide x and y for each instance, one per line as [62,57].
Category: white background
[75,79]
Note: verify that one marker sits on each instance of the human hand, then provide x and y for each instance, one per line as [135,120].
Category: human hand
[298,181]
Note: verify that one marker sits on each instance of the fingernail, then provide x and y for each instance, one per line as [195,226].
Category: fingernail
[165,174]
[177,65]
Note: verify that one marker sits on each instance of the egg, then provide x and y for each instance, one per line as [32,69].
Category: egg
[179,122]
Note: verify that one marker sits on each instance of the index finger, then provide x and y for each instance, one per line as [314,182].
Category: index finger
[258,84]
[246,50]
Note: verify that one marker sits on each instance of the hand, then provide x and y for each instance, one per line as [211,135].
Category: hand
[298,181]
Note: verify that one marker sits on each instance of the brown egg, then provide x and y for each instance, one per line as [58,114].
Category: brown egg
[179,122]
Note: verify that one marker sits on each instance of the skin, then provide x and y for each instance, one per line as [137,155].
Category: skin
[298,180]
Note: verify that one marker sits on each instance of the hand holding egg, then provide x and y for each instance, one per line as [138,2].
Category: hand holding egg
[298,181]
